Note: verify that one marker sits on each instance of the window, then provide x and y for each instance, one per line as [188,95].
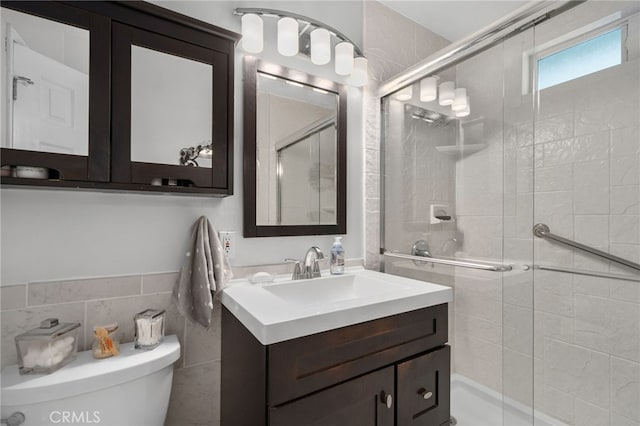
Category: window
[586,57]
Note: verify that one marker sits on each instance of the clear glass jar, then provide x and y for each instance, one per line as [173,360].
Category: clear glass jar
[47,348]
[149,326]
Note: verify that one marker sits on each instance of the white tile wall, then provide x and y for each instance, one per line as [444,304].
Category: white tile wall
[401,44]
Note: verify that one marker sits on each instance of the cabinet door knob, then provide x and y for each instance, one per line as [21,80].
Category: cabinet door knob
[425,394]
[386,399]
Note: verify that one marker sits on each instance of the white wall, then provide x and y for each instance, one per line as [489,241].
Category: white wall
[56,234]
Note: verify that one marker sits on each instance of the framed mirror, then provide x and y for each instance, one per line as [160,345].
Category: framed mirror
[294,152]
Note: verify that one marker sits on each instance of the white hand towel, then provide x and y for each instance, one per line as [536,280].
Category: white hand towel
[204,272]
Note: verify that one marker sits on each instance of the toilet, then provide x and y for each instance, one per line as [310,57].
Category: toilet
[132,388]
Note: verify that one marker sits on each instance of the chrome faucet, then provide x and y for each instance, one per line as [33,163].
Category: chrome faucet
[311,266]
[420,248]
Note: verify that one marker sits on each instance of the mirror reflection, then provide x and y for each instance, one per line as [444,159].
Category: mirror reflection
[296,166]
[171,109]
[45,73]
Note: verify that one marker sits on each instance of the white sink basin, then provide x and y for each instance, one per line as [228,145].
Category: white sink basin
[289,309]
[329,289]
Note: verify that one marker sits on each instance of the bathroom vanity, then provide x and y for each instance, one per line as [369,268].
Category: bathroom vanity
[389,370]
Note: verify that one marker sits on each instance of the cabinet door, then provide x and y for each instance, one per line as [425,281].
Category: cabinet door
[172,111]
[55,113]
[424,389]
[365,401]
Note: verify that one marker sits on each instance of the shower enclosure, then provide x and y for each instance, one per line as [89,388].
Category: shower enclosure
[545,325]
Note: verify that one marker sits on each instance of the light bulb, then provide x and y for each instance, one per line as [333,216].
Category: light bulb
[359,74]
[447,93]
[320,46]
[404,94]
[288,37]
[344,58]
[252,39]
[428,89]
[460,99]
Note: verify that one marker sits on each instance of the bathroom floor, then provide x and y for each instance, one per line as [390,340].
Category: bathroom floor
[475,405]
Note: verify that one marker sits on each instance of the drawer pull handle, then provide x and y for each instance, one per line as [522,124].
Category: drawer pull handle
[425,394]
[386,399]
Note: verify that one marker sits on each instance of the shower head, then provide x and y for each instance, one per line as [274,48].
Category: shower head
[432,118]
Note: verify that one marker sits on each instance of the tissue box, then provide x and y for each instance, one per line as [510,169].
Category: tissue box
[45,349]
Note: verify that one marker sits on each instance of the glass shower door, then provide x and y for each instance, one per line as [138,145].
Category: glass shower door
[586,157]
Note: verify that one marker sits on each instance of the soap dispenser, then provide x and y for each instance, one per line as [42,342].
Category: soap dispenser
[337,257]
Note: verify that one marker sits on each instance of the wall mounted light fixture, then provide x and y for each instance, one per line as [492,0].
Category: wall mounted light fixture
[292,28]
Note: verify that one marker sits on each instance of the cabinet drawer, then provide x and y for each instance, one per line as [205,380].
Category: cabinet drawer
[423,391]
[358,402]
[300,366]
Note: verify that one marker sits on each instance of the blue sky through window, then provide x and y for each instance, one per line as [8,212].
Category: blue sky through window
[584,58]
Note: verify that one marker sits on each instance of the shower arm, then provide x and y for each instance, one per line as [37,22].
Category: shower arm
[542,231]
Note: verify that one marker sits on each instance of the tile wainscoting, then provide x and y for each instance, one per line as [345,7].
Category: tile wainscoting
[196,382]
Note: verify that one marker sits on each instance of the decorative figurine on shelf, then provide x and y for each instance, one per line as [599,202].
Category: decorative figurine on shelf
[189,155]
[106,343]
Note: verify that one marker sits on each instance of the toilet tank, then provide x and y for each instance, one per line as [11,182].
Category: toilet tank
[132,388]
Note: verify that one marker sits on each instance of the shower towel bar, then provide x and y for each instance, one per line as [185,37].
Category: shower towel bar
[542,231]
[588,273]
[471,264]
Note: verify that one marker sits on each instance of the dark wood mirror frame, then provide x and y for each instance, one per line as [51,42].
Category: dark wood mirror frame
[252,66]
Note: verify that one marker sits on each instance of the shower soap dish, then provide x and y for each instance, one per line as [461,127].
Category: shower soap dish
[47,348]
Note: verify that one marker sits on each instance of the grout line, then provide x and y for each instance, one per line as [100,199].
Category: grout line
[184,339]
[86,325]
[202,363]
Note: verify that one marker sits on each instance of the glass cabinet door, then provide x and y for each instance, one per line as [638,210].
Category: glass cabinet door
[171,126]
[55,102]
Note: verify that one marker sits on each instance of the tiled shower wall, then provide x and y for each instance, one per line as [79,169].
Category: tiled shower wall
[392,43]
[568,343]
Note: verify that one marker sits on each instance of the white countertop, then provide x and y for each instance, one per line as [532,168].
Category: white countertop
[286,309]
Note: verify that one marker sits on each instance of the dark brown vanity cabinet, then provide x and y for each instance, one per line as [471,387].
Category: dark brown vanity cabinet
[389,371]
[156,114]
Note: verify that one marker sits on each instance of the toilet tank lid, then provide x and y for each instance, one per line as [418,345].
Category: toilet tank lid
[86,374]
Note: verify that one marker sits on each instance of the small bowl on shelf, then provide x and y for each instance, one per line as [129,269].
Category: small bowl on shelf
[29,172]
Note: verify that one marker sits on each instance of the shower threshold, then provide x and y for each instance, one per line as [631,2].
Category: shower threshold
[473,404]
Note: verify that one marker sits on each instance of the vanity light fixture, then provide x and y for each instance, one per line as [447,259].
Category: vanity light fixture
[344,58]
[315,89]
[447,93]
[464,112]
[288,36]
[405,94]
[316,39]
[294,83]
[429,89]
[252,33]
[359,76]
[320,46]
[459,99]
